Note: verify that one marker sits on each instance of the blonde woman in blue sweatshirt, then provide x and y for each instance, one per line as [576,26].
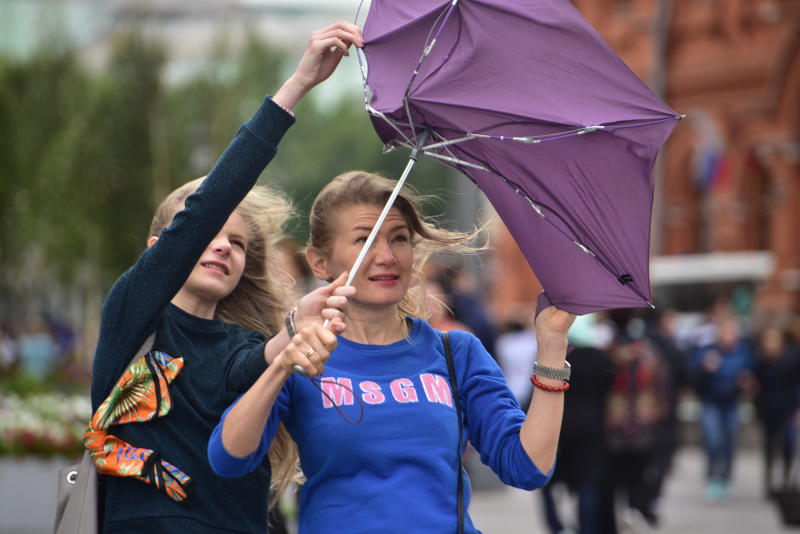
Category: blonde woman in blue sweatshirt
[395,471]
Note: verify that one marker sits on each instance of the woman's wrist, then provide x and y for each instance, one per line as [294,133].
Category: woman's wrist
[280,367]
[291,92]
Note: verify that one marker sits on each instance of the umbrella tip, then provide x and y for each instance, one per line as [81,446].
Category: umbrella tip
[682,116]
[651,305]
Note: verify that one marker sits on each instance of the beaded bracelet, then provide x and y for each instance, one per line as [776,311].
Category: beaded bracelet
[555,389]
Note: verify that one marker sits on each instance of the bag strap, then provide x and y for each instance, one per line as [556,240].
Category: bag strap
[451,367]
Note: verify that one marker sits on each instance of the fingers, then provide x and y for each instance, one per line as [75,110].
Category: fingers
[347,32]
[325,303]
[332,44]
[339,282]
[310,349]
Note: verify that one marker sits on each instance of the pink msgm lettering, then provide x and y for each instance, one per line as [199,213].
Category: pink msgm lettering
[372,392]
[336,391]
[436,389]
[403,390]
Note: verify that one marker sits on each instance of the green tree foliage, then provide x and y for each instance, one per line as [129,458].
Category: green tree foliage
[87,155]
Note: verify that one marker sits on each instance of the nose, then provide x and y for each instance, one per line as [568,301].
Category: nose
[220,245]
[383,253]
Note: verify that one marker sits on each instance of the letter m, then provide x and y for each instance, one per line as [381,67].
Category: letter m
[336,391]
[436,389]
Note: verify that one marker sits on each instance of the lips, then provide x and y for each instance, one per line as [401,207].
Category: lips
[216,266]
[384,278]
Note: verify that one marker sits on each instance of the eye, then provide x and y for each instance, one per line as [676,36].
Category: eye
[361,239]
[239,243]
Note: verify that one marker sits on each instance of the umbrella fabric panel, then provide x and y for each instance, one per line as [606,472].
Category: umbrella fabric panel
[563,72]
[603,204]
[573,280]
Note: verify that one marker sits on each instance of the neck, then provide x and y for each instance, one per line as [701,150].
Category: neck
[371,326]
[195,306]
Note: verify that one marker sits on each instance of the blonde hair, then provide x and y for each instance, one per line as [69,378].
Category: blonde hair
[263,294]
[356,188]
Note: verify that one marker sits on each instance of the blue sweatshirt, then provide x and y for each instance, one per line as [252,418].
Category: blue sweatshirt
[722,386]
[221,360]
[394,470]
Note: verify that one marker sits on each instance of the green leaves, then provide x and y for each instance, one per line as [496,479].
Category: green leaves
[87,155]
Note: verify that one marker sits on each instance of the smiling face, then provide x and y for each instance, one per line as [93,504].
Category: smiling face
[384,277]
[219,268]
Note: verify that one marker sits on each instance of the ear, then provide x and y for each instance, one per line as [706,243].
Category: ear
[151,240]
[318,264]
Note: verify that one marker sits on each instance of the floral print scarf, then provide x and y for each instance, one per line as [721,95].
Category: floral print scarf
[140,395]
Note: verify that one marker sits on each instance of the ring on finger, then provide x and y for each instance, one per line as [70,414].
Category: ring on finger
[309,352]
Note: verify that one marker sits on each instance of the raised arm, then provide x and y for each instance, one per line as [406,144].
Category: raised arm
[131,310]
[542,426]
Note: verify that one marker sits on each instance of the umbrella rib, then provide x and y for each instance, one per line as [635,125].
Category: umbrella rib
[430,44]
[376,113]
[455,161]
[536,139]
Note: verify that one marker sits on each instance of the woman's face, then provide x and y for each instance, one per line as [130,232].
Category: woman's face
[385,274]
[221,265]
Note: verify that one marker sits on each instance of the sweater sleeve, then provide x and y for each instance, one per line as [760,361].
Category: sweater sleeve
[227,465]
[247,362]
[493,416]
[134,303]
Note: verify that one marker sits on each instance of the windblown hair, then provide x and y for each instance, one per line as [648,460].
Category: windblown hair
[263,294]
[357,188]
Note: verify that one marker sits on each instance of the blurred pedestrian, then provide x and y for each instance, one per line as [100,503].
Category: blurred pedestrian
[635,418]
[581,459]
[721,372]
[439,305]
[777,373]
[8,348]
[467,308]
[38,351]
[663,335]
[516,354]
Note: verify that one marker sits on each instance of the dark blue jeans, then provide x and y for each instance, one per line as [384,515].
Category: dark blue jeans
[588,509]
[720,424]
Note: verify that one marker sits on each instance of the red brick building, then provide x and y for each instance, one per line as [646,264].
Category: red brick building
[729,178]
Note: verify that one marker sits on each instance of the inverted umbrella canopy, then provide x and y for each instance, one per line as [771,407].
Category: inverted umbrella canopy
[527,100]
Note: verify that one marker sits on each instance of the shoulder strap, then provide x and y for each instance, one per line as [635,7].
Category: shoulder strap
[146,347]
[451,368]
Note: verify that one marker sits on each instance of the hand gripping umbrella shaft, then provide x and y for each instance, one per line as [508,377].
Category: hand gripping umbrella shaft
[412,159]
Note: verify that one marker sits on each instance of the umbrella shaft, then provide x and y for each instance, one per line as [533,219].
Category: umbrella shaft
[375,229]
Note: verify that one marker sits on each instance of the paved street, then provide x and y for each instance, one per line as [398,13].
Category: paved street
[501,510]
[683,511]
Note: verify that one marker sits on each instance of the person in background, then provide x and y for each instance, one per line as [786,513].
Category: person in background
[777,374]
[439,309]
[581,456]
[662,334]
[467,308]
[721,372]
[635,416]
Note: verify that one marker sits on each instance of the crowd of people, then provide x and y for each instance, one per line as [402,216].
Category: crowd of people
[632,374]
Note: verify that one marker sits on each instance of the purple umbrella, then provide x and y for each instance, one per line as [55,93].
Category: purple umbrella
[527,100]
